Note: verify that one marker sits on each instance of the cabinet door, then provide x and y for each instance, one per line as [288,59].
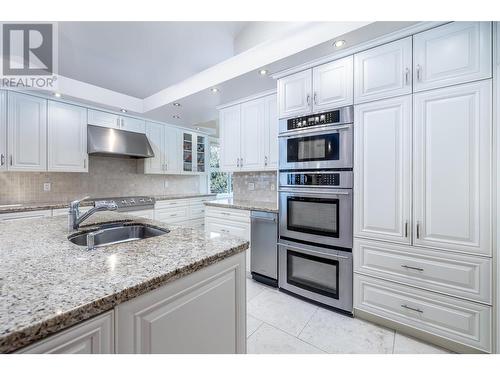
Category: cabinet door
[94,336]
[333,85]
[173,150]
[27,133]
[452,159]
[104,119]
[383,72]
[156,137]
[67,138]
[294,94]
[230,135]
[132,125]
[188,153]
[382,170]
[252,126]
[454,53]
[201,153]
[3,131]
[271,133]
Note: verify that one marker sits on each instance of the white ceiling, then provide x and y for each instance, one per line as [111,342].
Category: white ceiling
[142,58]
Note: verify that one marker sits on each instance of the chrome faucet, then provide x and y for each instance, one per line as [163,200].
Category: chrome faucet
[74,217]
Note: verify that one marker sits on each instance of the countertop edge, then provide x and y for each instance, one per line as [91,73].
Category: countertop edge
[241,207]
[22,338]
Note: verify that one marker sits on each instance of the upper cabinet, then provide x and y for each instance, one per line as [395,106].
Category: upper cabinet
[27,133]
[314,90]
[249,135]
[201,153]
[295,94]
[332,85]
[452,160]
[67,137]
[383,71]
[3,131]
[166,144]
[454,53]
[111,120]
[194,153]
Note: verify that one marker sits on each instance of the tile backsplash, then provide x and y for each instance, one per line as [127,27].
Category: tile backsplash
[106,177]
[255,186]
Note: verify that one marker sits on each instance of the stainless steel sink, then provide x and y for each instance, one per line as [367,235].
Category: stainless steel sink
[110,234]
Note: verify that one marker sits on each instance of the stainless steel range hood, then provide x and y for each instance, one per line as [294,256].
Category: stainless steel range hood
[114,142]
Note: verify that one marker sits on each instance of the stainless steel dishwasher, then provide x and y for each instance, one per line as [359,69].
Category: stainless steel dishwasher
[264,248]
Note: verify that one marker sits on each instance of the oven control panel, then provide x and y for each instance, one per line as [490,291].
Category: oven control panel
[331,117]
[338,179]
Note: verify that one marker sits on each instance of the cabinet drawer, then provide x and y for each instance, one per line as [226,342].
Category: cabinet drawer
[145,214]
[228,213]
[172,215]
[171,203]
[197,211]
[94,336]
[459,275]
[462,321]
[220,226]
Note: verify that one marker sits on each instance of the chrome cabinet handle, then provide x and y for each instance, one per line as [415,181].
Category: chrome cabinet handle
[406,229]
[10,159]
[308,100]
[407,76]
[238,162]
[418,229]
[241,162]
[265,161]
[315,96]
[84,163]
[412,308]
[2,159]
[419,72]
[412,268]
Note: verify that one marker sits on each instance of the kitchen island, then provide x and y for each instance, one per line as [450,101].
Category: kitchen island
[181,292]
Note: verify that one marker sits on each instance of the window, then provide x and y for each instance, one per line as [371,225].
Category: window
[220,182]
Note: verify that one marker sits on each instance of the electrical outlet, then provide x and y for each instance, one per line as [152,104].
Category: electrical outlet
[46,186]
[251,186]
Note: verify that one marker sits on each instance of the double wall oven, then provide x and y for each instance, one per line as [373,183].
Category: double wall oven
[315,207]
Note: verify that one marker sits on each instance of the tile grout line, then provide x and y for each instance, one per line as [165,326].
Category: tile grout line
[305,325]
[289,334]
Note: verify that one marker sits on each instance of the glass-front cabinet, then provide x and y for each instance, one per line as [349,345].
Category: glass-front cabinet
[194,147]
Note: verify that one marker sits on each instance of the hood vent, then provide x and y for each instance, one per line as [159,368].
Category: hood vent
[114,142]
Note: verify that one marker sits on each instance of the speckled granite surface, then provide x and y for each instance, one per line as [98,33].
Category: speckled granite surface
[48,284]
[244,205]
[9,208]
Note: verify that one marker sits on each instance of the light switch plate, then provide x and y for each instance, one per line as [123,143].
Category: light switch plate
[46,186]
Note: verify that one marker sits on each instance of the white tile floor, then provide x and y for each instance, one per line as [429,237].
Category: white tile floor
[279,323]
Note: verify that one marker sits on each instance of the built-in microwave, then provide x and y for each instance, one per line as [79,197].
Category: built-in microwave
[321,141]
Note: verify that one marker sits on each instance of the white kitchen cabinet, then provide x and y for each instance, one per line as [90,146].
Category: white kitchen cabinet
[454,53]
[230,136]
[458,320]
[111,120]
[25,215]
[131,124]
[295,94]
[3,131]
[173,151]
[332,85]
[382,173]
[452,160]
[270,133]
[194,155]
[204,312]
[67,138]
[252,134]
[165,141]
[93,336]
[383,72]
[27,133]
[201,153]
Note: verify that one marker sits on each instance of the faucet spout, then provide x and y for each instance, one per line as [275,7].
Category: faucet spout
[74,217]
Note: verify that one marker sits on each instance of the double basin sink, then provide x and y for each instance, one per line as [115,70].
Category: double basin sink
[113,233]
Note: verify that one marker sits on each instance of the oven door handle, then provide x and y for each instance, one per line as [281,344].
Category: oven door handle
[323,255]
[322,129]
[308,193]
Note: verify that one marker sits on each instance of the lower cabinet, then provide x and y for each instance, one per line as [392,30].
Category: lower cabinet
[204,312]
[94,336]
[186,212]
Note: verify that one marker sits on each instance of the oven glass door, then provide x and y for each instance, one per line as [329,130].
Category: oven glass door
[317,216]
[313,273]
[324,147]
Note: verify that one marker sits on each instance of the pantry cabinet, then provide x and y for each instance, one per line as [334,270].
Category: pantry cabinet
[383,72]
[249,135]
[455,53]
[67,138]
[452,161]
[111,120]
[165,142]
[3,131]
[27,133]
[382,172]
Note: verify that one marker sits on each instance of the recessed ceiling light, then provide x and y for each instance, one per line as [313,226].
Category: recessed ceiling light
[338,43]
[123,110]
[57,95]
[176,116]
[263,72]
[176,104]
[197,128]
[214,90]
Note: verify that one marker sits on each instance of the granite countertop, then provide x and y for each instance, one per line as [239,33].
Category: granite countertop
[23,207]
[244,205]
[47,283]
